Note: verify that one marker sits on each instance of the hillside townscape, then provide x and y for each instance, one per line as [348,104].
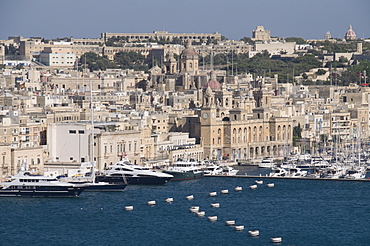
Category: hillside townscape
[156,97]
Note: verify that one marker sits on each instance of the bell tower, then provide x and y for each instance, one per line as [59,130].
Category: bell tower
[208,123]
[189,60]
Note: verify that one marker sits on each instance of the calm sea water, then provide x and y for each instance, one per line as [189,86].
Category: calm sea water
[302,212]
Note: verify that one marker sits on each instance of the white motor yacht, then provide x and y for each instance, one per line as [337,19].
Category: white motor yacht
[133,174]
[25,184]
[278,172]
[355,173]
[266,163]
[183,170]
[229,171]
[213,170]
[295,172]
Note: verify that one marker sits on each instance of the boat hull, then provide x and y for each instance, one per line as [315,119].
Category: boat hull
[134,180]
[43,192]
[178,175]
[105,187]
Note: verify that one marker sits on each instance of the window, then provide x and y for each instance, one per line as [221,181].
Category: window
[72,131]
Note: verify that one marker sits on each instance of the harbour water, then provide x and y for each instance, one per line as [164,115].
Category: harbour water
[302,212]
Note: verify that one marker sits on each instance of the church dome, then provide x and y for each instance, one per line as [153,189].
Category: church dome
[189,51]
[350,34]
[213,83]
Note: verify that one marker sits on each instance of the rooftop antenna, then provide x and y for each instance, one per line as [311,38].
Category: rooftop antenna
[212,59]
[232,61]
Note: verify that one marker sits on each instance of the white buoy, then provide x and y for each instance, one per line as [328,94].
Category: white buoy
[259,182]
[151,203]
[225,192]
[253,187]
[270,185]
[215,205]
[238,188]
[194,209]
[129,208]
[230,222]
[213,194]
[276,239]
[201,214]
[212,218]
[254,233]
[170,199]
[239,228]
[191,197]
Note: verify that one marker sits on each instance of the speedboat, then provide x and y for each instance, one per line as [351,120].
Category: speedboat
[355,173]
[213,170]
[229,171]
[183,170]
[266,163]
[295,172]
[334,172]
[26,184]
[133,174]
[278,172]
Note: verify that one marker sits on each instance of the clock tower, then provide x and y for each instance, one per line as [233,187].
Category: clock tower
[208,124]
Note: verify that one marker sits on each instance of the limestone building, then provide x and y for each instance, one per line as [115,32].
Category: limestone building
[261,34]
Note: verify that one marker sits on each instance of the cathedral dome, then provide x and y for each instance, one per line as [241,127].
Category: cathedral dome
[350,34]
[189,51]
[213,83]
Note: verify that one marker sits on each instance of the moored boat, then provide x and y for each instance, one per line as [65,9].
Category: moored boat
[133,174]
[25,184]
[183,170]
[266,163]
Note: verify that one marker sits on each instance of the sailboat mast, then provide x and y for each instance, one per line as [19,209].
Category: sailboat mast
[92,134]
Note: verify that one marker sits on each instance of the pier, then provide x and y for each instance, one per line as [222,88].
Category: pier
[300,178]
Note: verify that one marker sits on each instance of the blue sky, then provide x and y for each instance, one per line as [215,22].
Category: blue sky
[234,18]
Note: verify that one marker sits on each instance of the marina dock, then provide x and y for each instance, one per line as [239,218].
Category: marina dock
[300,178]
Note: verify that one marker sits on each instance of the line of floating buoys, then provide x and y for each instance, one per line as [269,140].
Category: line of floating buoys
[230,222]
[190,197]
[215,205]
[276,239]
[213,194]
[201,214]
[238,188]
[152,203]
[253,187]
[254,233]
[169,199]
[212,218]
[194,209]
[239,228]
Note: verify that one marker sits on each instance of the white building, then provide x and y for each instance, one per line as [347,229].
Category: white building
[57,57]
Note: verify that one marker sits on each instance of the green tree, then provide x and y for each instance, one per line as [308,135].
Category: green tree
[11,50]
[130,60]
[95,62]
[321,72]
[296,40]
[247,40]
[297,133]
